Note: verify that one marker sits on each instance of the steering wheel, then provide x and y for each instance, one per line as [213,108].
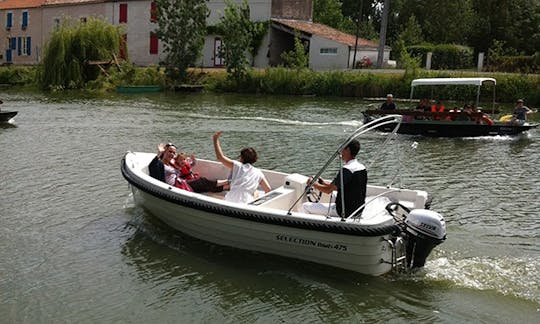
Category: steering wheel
[392,209]
[314,195]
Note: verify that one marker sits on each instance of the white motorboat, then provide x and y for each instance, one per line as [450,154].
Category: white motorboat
[394,231]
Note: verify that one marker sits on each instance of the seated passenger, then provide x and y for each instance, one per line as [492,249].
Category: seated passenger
[184,165]
[389,103]
[163,168]
[422,106]
[519,117]
[245,177]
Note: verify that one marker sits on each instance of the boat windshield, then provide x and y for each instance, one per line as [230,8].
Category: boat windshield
[388,119]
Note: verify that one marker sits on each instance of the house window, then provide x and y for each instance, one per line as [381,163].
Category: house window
[28,46]
[328,51]
[25,45]
[24,19]
[153,12]
[13,43]
[123,13]
[9,20]
[153,43]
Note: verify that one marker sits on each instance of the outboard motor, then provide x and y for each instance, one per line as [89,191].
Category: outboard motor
[425,229]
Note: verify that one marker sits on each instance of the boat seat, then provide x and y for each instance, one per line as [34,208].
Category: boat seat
[217,195]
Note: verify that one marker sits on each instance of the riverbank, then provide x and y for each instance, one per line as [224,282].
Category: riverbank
[281,81]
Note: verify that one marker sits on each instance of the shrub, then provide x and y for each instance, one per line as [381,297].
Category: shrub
[445,56]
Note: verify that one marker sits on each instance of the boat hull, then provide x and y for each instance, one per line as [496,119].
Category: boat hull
[356,253]
[7,115]
[454,129]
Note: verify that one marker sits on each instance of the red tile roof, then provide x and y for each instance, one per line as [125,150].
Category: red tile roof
[70,2]
[23,4]
[20,4]
[325,32]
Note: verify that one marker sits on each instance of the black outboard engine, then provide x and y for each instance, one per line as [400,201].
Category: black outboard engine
[424,230]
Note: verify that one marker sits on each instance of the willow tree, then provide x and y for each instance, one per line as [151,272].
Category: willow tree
[182,28]
[71,47]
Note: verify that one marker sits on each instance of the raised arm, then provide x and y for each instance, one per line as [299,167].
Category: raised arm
[219,152]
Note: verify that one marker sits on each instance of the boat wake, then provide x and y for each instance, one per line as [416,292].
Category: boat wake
[507,275]
[354,123]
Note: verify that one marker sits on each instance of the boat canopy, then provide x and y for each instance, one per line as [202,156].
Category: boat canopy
[452,81]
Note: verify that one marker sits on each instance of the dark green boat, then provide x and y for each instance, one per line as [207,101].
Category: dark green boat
[139,89]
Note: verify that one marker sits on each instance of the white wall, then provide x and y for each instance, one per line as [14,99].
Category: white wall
[320,61]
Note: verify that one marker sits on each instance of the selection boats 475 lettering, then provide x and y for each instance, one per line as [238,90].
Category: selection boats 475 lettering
[308,242]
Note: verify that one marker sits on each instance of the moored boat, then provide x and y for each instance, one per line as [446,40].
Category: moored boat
[396,230]
[453,123]
[139,89]
[6,116]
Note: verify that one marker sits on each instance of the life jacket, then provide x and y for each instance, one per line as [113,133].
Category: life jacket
[434,108]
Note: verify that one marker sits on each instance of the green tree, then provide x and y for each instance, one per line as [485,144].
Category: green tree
[328,12]
[412,32]
[296,58]
[442,21]
[516,22]
[182,28]
[71,47]
[257,31]
[236,31]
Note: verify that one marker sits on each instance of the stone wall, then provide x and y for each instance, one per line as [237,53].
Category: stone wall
[292,9]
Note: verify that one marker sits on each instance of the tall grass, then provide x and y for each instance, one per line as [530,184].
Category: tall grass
[284,81]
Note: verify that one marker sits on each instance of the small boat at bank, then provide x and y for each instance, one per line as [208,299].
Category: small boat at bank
[6,116]
[139,89]
[454,123]
[396,229]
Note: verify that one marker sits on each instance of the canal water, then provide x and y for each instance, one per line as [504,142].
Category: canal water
[74,248]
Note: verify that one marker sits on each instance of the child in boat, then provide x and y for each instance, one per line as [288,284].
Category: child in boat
[184,165]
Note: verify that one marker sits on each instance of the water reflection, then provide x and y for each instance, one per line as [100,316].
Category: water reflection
[184,267]
[8,125]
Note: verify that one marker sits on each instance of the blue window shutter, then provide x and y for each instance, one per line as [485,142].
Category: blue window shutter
[9,19]
[25,19]
[13,43]
[28,46]
[19,48]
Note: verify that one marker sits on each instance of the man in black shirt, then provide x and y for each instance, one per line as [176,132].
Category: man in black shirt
[354,186]
[389,103]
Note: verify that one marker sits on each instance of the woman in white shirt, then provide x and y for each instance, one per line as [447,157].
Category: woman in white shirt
[245,177]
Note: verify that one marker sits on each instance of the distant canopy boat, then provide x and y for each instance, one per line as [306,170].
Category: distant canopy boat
[450,123]
[478,82]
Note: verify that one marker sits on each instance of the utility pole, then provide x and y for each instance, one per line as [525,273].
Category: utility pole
[357,32]
[382,42]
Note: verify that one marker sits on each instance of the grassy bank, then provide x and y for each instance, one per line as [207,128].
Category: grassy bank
[372,84]
[273,81]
